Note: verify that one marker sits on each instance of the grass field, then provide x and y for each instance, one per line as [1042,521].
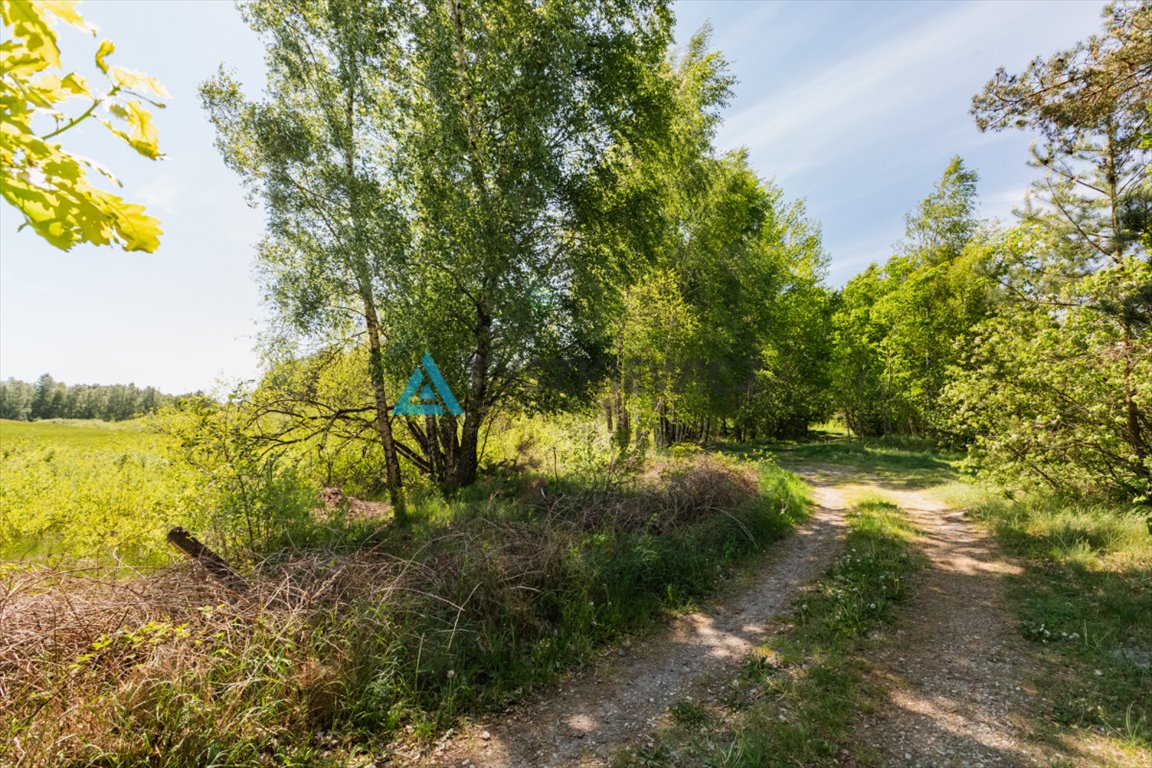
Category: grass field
[76,433]
[894,462]
[88,490]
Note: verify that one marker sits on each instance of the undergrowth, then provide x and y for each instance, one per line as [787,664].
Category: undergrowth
[331,652]
[798,696]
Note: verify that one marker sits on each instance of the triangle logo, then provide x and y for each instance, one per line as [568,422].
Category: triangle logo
[427,394]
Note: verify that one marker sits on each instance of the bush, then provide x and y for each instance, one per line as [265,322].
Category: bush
[252,497]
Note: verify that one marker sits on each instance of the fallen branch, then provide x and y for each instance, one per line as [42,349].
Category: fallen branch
[212,562]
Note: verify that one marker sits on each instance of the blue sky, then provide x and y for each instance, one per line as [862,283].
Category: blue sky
[855,107]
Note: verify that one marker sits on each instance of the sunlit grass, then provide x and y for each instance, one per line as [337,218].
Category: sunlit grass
[894,462]
[88,490]
[1085,600]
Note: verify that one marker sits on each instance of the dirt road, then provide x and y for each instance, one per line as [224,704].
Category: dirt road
[954,669]
[957,671]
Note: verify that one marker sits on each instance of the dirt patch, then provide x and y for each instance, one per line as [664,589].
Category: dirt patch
[622,697]
[353,508]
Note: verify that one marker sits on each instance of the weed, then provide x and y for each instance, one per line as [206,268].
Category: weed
[688,713]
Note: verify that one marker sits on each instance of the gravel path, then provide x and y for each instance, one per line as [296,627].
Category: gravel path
[620,698]
[955,668]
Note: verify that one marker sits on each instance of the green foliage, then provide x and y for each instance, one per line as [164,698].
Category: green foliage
[323,160]
[321,409]
[442,212]
[1085,599]
[900,329]
[1030,345]
[661,345]
[1089,105]
[727,324]
[1057,387]
[523,111]
[46,183]
[1049,399]
[541,209]
[89,491]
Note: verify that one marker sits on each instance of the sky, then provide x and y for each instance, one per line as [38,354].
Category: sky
[853,107]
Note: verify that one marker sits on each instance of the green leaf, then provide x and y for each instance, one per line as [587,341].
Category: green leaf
[29,22]
[48,185]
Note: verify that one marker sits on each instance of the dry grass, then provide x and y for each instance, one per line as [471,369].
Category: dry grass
[86,662]
[669,495]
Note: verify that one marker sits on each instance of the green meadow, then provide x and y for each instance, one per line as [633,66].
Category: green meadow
[96,491]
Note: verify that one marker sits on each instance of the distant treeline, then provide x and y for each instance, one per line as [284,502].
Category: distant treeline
[51,399]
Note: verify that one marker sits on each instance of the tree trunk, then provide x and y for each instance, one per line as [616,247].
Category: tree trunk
[375,348]
[435,457]
[467,456]
[449,443]
[468,459]
[623,433]
[1136,442]
[383,423]
[1134,434]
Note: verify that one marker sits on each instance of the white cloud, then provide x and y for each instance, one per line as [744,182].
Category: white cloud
[855,91]
[909,90]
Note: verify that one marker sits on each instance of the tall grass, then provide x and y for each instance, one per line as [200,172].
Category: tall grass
[485,599]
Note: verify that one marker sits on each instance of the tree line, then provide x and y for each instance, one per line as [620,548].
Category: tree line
[530,192]
[533,195]
[51,399]
[1027,344]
